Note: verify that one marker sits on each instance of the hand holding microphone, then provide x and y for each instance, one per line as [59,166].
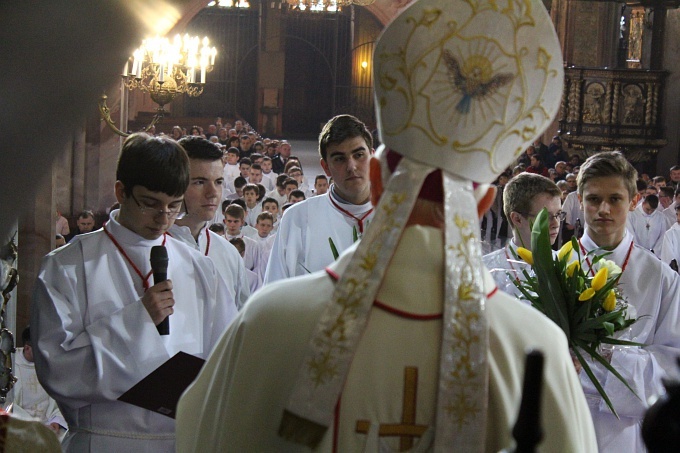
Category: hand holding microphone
[158,300]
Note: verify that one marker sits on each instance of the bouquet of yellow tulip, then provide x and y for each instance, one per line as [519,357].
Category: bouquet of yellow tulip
[588,308]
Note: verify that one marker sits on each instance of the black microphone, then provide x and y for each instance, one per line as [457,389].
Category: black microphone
[159,265]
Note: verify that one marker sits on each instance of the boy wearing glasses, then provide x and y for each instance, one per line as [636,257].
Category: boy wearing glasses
[523,198]
[96,307]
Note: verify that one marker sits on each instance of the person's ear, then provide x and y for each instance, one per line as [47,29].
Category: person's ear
[324,165]
[375,175]
[515,219]
[486,201]
[119,190]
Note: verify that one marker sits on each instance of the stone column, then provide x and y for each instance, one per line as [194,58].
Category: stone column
[272,65]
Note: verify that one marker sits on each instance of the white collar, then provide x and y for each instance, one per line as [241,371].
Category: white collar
[128,237]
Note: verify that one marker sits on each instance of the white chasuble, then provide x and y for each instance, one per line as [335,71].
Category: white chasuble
[237,401]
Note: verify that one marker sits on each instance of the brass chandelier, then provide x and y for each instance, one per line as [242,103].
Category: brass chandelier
[165,69]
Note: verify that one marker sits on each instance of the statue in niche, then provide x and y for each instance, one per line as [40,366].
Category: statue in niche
[632,105]
[593,104]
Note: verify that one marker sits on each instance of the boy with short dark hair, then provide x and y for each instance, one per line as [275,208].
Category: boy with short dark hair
[271,206]
[234,220]
[251,193]
[320,185]
[648,225]
[296,196]
[96,307]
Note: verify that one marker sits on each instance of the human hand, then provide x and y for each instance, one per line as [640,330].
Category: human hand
[158,301]
[55,427]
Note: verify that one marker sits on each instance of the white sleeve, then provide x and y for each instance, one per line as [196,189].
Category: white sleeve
[78,363]
[658,245]
[243,287]
[667,248]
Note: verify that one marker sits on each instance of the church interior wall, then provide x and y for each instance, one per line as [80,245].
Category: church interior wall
[670,154]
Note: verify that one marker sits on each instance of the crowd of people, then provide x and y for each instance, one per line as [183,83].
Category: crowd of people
[652,219]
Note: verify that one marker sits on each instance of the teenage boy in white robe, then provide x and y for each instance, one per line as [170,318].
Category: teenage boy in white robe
[648,225]
[606,187]
[302,243]
[670,250]
[250,195]
[231,171]
[201,202]
[523,198]
[271,206]
[96,307]
[234,220]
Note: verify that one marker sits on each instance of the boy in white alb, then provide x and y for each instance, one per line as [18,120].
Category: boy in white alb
[271,206]
[96,307]
[523,198]
[606,187]
[648,225]
[306,229]
[670,250]
[267,174]
[264,226]
[250,195]
[201,201]
[233,219]
[231,171]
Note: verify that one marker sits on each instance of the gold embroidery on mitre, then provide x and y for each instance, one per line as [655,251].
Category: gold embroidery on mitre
[466,91]
[324,365]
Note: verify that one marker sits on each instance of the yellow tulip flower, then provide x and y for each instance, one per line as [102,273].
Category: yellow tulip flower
[600,279]
[610,301]
[526,255]
[571,267]
[586,295]
[566,249]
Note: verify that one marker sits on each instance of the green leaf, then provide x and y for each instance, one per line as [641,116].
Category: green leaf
[594,380]
[549,290]
[610,340]
[609,327]
[334,250]
[609,367]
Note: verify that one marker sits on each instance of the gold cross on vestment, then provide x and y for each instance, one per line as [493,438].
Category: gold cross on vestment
[407,429]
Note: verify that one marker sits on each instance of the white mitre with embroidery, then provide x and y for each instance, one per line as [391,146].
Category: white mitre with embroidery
[464,87]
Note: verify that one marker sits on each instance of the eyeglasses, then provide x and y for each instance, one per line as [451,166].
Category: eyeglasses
[560,216]
[153,212]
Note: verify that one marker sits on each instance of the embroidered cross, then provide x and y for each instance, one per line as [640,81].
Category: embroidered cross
[407,429]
